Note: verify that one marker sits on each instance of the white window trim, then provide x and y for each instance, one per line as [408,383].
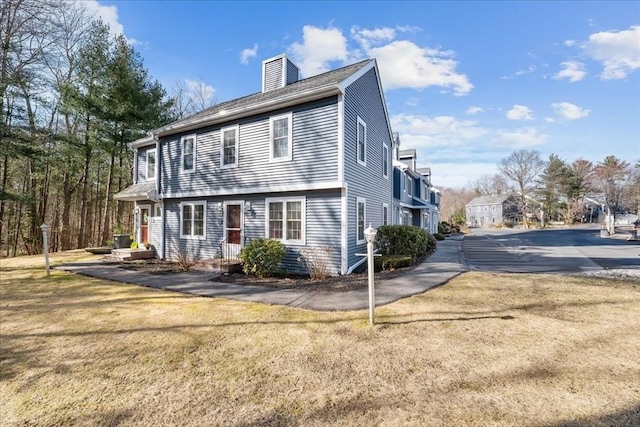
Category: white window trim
[364,202]
[289,117]
[236,129]
[364,125]
[204,220]
[195,145]
[385,220]
[284,200]
[155,166]
[385,157]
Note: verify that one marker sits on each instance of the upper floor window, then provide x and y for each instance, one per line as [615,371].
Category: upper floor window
[151,164]
[360,219]
[385,160]
[192,220]
[188,144]
[280,131]
[408,181]
[362,142]
[286,219]
[229,147]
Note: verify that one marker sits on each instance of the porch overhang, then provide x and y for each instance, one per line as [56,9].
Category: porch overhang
[140,191]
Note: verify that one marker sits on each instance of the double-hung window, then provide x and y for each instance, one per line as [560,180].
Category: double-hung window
[286,219]
[362,142]
[151,164]
[229,147]
[385,161]
[361,206]
[193,220]
[188,160]
[280,137]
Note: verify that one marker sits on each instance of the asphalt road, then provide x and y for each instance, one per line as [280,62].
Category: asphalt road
[560,250]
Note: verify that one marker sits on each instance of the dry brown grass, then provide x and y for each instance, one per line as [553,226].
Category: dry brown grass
[482,350]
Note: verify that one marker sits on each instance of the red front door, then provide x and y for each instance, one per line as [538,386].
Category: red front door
[144,225]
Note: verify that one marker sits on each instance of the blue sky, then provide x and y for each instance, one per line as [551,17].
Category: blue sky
[466,83]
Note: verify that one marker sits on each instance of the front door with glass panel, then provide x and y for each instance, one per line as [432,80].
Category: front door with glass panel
[233,229]
[144,224]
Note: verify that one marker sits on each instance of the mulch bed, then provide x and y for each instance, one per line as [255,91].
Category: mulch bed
[345,283]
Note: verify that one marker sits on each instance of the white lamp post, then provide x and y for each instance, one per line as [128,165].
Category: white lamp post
[45,246]
[370,235]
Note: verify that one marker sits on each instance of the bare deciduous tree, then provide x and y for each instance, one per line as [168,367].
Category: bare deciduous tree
[522,168]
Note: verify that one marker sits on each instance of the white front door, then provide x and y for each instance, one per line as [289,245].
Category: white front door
[233,232]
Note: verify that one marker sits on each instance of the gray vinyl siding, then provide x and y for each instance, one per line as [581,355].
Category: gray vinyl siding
[292,73]
[314,154]
[322,226]
[273,75]
[362,99]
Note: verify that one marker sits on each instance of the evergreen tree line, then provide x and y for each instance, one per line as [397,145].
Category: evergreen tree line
[553,189]
[71,97]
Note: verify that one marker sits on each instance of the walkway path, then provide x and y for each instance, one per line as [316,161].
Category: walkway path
[443,265]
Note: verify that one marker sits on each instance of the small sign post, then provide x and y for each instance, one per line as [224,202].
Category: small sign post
[45,244]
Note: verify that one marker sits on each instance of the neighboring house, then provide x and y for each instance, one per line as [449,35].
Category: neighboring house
[415,201]
[307,162]
[490,211]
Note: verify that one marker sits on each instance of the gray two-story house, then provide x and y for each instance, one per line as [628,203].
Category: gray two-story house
[492,210]
[306,162]
[415,201]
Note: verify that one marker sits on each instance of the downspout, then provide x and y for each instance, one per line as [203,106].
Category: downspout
[158,195]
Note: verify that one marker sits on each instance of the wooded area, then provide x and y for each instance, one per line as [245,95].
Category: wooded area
[71,97]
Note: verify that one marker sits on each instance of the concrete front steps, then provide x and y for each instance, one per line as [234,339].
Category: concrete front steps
[130,254]
[218,265]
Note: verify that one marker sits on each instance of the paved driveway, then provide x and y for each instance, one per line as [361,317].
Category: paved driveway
[565,250]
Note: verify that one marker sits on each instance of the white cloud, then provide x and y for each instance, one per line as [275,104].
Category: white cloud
[520,138]
[368,37]
[569,111]
[201,90]
[319,47]
[473,110]
[573,70]
[459,174]
[618,51]
[248,53]
[442,131]
[520,112]
[402,63]
[412,102]
[109,16]
[570,43]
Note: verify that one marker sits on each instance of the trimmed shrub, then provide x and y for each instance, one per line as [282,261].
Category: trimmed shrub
[431,243]
[391,262]
[402,240]
[439,236]
[443,227]
[261,257]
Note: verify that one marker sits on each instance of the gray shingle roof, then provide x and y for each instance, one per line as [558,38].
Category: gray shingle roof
[145,190]
[328,79]
[489,200]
